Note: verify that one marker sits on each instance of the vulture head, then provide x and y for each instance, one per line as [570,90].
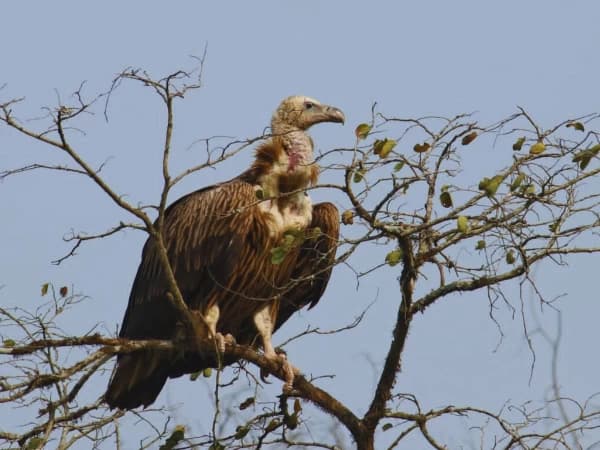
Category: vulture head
[285,163]
[298,113]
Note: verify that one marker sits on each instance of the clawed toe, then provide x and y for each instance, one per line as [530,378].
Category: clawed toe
[229,339]
[289,370]
[290,374]
[223,340]
[264,374]
[220,342]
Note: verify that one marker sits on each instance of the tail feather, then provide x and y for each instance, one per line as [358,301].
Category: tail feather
[137,380]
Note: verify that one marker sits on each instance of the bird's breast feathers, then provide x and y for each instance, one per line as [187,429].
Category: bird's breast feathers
[293,212]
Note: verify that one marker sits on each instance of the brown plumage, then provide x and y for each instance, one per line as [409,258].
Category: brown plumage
[219,241]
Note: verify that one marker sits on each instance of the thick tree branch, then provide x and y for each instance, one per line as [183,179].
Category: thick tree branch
[392,362]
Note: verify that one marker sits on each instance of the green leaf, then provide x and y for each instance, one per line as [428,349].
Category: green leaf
[295,237]
[176,436]
[241,431]
[518,145]
[309,234]
[462,223]
[554,227]
[206,373]
[45,287]
[576,126]
[35,443]
[358,175]
[421,148]
[291,238]
[383,147]
[510,257]
[480,245]
[247,403]
[446,199]
[9,343]
[467,139]
[583,160]
[386,426]
[398,167]
[393,257]
[528,189]
[517,182]
[194,375]
[483,183]
[594,149]
[584,157]
[278,254]
[362,130]
[494,184]
[537,148]
[272,425]
[490,185]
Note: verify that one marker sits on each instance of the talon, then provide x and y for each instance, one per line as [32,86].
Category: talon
[264,374]
[289,370]
[223,340]
[264,324]
[220,341]
[288,386]
[290,373]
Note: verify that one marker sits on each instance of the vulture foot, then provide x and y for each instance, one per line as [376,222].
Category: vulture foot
[290,372]
[280,357]
[223,340]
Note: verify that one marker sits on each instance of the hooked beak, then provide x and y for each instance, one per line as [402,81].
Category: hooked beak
[332,114]
[323,113]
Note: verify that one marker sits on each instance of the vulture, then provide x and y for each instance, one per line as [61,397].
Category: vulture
[246,254]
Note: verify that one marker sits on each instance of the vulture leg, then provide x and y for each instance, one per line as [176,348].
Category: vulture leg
[212,318]
[264,324]
[220,342]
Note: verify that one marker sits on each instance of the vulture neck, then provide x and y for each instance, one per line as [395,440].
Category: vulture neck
[285,163]
[282,170]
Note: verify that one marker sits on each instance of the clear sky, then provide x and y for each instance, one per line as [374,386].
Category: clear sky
[413,58]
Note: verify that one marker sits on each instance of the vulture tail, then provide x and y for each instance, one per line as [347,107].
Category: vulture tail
[137,380]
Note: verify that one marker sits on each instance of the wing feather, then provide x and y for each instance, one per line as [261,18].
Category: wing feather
[211,236]
[313,266]
[204,233]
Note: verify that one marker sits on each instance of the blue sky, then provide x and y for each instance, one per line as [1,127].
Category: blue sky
[413,58]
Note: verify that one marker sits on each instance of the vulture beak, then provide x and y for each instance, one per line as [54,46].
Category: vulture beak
[314,113]
[326,113]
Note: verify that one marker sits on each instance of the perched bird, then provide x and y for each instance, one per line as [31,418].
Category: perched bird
[221,242]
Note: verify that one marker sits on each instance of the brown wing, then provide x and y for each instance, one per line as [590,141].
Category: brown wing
[212,236]
[313,266]
[208,235]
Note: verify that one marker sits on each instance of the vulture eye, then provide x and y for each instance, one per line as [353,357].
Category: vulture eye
[308,105]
